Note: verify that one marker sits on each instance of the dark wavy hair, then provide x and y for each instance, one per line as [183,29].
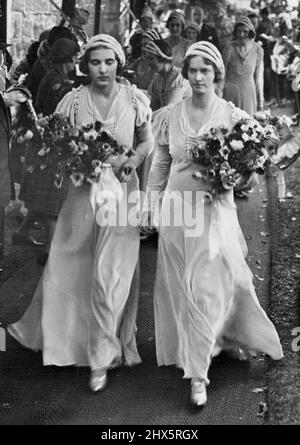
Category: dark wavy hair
[84,62]
[186,64]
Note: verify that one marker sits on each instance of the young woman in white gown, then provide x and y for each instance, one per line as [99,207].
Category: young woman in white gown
[204,298]
[84,309]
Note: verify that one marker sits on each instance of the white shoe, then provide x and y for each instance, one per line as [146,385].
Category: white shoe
[98,380]
[198,393]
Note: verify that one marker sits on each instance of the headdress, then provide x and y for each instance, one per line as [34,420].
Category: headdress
[208,51]
[108,42]
[245,21]
[178,14]
[193,25]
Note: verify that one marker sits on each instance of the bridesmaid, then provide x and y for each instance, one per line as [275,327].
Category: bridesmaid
[204,299]
[83,312]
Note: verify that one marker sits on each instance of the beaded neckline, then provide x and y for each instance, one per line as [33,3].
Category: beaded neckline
[114,103]
[187,138]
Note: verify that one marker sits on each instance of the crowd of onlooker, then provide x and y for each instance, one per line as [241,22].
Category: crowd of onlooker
[277,31]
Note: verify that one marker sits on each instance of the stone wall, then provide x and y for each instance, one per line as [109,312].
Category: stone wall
[28,18]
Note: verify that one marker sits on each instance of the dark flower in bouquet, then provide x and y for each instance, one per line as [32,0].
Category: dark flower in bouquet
[248,143]
[78,153]
[225,157]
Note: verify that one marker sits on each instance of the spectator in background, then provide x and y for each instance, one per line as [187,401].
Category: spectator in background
[243,59]
[143,71]
[285,20]
[206,32]
[280,64]
[178,44]
[265,35]
[57,82]
[168,85]
[41,65]
[192,32]
[7,99]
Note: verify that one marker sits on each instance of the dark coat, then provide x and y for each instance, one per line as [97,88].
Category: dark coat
[52,89]
[5,133]
[35,77]
[209,34]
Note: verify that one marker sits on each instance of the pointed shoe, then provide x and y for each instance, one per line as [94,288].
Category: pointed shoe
[97,382]
[198,392]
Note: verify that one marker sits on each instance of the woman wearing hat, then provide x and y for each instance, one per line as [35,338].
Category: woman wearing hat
[178,44]
[41,65]
[143,72]
[38,191]
[56,83]
[243,60]
[84,310]
[204,299]
[192,32]
[168,86]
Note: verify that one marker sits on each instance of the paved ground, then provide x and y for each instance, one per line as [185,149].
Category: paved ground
[146,394]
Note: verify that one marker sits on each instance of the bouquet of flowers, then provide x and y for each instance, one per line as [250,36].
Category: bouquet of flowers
[287,149]
[70,151]
[225,157]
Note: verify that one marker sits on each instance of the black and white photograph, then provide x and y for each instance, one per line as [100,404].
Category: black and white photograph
[149,216]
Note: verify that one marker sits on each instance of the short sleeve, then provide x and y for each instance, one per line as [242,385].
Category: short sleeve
[142,105]
[160,125]
[67,105]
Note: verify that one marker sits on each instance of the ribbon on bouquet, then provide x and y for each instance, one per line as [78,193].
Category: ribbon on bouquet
[105,194]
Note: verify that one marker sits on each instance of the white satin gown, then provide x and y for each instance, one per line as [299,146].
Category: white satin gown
[204,299]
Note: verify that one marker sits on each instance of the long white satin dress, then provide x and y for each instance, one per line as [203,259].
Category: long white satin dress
[204,299]
[84,309]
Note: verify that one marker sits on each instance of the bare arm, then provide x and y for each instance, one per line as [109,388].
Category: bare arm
[145,144]
[259,79]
